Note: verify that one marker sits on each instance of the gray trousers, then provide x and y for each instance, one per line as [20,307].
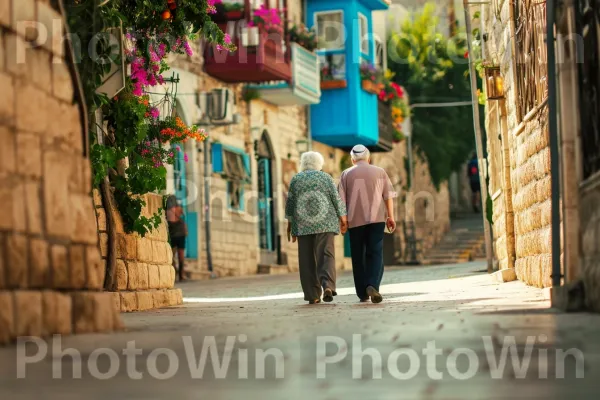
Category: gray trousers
[316,256]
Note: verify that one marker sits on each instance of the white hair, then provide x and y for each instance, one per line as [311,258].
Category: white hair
[360,153]
[311,160]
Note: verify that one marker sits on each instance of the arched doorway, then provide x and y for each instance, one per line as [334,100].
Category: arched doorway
[267,227]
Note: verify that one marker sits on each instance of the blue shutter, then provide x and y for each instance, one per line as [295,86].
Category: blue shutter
[217,157]
[247,164]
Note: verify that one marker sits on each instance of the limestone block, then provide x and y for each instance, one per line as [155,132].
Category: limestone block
[13,214]
[28,321]
[93,312]
[97,197]
[52,21]
[126,246]
[57,311]
[133,282]
[101,219]
[104,244]
[161,298]
[39,271]
[59,210]
[169,253]
[104,312]
[17,261]
[142,272]
[144,250]
[8,141]
[38,68]
[145,300]
[62,86]
[5,16]
[116,298]
[122,275]
[23,18]
[7,320]
[32,111]
[504,275]
[175,297]
[167,276]
[153,277]
[71,121]
[61,276]
[84,219]
[96,268]
[128,301]
[78,267]
[158,253]
[33,207]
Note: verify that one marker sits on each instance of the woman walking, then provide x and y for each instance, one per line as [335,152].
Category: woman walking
[315,214]
[177,233]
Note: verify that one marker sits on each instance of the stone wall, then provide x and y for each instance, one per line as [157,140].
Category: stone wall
[145,272]
[590,251]
[522,205]
[51,271]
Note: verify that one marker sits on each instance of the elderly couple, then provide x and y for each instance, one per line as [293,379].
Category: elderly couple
[316,212]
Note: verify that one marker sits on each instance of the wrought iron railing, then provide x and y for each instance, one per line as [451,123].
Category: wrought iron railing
[531,56]
[588,30]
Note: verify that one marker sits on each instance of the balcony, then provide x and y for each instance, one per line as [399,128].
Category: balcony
[265,61]
[304,86]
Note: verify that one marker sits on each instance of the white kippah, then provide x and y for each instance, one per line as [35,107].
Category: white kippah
[358,149]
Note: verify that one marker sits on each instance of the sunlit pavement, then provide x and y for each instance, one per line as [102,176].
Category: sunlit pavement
[457,309]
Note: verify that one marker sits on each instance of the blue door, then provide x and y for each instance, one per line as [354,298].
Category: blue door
[265,205]
[181,193]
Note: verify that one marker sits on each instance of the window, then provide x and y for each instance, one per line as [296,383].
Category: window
[234,166]
[363,34]
[330,30]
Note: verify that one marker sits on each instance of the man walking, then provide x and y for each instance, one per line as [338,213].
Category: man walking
[368,194]
[473,174]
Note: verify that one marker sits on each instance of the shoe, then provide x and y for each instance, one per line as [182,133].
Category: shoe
[317,301]
[366,299]
[328,296]
[334,293]
[374,295]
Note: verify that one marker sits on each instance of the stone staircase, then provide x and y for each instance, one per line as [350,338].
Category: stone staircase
[463,243]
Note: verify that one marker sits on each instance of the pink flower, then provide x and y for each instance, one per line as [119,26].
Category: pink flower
[177,148]
[187,48]
[154,113]
[185,157]
[227,39]
[137,90]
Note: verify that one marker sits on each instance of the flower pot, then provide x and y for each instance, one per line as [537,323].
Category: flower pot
[334,84]
[370,87]
[234,15]
[250,36]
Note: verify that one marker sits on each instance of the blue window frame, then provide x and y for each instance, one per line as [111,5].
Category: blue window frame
[363,34]
[234,165]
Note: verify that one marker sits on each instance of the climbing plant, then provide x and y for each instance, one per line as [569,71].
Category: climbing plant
[431,67]
[131,143]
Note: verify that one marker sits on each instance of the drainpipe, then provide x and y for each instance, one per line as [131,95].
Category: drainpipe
[554,148]
[207,207]
[479,141]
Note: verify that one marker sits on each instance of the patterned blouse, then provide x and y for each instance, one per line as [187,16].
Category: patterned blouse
[314,204]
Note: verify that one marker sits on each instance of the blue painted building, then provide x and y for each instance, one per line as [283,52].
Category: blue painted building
[347,114]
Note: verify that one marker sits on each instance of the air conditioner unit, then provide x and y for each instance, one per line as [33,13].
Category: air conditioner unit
[221,106]
[202,103]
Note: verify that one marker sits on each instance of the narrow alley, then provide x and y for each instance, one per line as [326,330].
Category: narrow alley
[468,317]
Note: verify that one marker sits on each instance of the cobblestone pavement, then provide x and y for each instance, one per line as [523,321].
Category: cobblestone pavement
[457,309]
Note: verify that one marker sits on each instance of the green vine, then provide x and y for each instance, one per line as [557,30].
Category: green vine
[132,141]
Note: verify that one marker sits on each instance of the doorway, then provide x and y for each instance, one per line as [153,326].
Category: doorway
[267,228]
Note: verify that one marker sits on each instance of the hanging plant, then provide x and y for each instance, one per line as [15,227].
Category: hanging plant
[303,36]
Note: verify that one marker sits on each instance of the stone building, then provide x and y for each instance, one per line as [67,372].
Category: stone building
[519,144]
[51,271]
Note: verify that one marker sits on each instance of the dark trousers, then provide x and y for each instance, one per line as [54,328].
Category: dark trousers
[366,245]
[316,256]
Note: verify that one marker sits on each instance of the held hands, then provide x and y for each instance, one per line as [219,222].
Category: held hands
[343,225]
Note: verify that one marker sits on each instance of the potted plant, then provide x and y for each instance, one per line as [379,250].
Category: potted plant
[234,11]
[331,66]
[303,36]
[370,78]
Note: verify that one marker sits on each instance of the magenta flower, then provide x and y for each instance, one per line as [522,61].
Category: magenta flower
[185,157]
[187,48]
[154,113]
[227,39]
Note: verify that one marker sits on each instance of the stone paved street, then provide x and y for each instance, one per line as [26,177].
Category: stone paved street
[456,306]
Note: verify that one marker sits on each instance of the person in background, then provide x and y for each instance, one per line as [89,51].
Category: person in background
[315,214]
[177,233]
[473,174]
[369,197]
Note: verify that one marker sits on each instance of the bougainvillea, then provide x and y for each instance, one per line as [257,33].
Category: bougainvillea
[135,130]
[267,19]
